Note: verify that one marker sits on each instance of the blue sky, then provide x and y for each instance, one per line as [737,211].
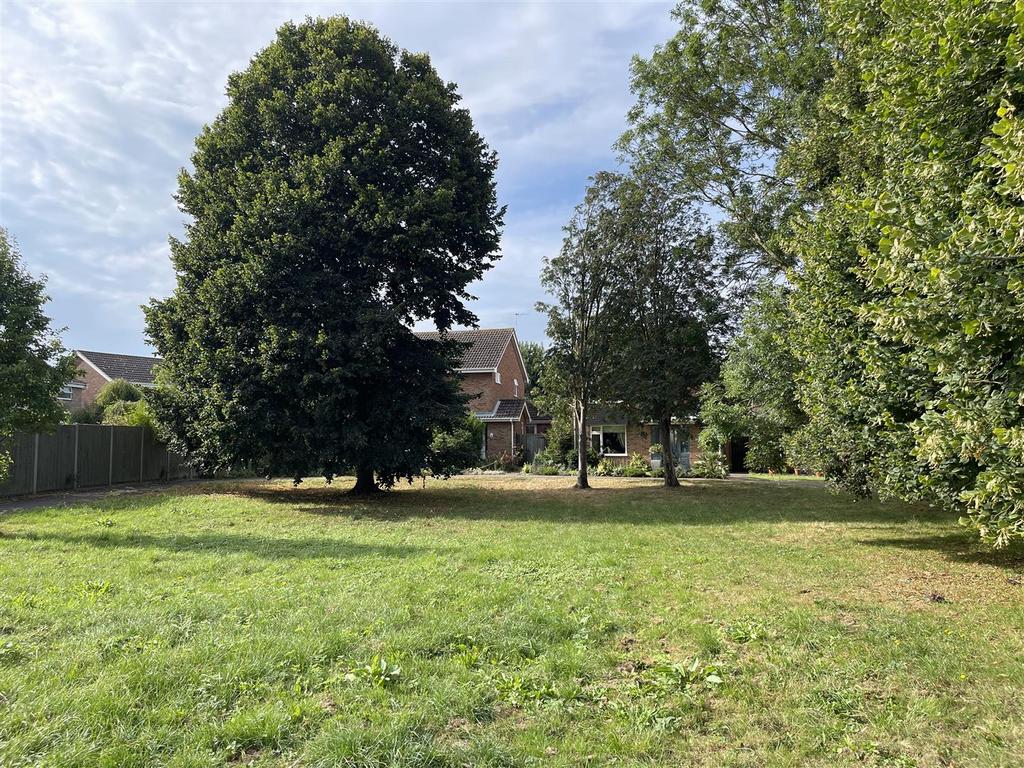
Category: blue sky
[101,103]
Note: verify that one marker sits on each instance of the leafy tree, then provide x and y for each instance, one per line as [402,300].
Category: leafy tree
[719,104]
[667,296]
[533,358]
[457,449]
[756,396]
[581,278]
[909,298]
[341,196]
[34,366]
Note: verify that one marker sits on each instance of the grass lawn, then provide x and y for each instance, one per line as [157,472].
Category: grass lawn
[506,621]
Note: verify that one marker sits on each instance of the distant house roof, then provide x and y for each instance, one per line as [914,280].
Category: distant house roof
[134,368]
[483,347]
[504,410]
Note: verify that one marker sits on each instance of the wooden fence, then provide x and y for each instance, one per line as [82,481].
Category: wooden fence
[88,456]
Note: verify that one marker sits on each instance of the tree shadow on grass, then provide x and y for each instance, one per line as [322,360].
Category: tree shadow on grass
[219,544]
[960,546]
[699,503]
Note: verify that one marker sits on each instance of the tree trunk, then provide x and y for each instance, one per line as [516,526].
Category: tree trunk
[668,462]
[365,484]
[581,448]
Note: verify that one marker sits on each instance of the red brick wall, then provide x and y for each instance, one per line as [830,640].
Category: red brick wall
[487,392]
[93,384]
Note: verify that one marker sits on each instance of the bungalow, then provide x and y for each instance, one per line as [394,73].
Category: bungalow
[616,438]
[97,368]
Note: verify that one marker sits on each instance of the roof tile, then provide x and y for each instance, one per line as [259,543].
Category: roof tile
[133,368]
[483,346]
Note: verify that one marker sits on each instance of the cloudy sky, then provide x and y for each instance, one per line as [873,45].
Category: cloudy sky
[100,103]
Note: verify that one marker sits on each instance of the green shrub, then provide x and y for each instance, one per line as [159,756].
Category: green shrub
[457,450]
[90,414]
[710,464]
[118,390]
[638,466]
[510,462]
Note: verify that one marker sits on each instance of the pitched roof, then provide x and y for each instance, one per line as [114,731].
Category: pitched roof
[508,409]
[133,368]
[484,346]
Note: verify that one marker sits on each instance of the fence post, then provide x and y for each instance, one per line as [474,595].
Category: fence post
[35,466]
[142,450]
[110,463]
[74,480]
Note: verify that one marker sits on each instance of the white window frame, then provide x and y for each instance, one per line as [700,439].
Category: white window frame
[497,377]
[71,393]
[599,430]
[515,384]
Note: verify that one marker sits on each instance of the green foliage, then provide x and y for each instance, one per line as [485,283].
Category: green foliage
[510,462]
[668,295]
[34,366]
[718,103]
[87,415]
[379,672]
[458,449]
[912,282]
[340,196]
[580,279]
[757,394]
[710,464]
[129,414]
[118,390]
[637,466]
[533,359]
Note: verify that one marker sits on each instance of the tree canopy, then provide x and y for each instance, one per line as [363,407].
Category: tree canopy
[581,279]
[34,366]
[667,299]
[340,196]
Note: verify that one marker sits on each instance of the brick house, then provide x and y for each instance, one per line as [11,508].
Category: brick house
[617,438]
[493,374]
[97,368]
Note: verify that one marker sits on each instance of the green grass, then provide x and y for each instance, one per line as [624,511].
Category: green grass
[506,621]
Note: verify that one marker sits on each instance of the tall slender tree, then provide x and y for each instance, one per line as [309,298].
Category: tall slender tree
[34,365]
[581,278]
[667,297]
[340,196]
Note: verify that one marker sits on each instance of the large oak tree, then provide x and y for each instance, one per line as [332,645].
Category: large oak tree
[340,196]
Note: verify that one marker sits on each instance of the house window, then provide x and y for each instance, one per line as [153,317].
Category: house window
[609,440]
[515,385]
[65,393]
[497,377]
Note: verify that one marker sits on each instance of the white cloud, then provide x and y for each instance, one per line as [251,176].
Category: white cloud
[101,103]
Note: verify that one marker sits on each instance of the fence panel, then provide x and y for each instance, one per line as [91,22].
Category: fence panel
[93,455]
[19,480]
[88,456]
[55,457]
[127,454]
[154,458]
